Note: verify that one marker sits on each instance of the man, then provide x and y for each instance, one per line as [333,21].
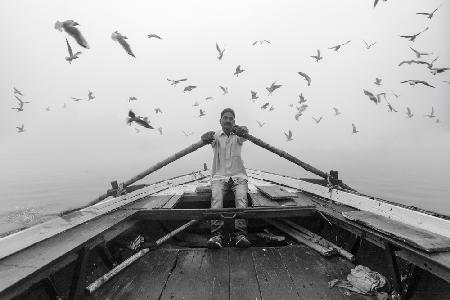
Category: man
[228,173]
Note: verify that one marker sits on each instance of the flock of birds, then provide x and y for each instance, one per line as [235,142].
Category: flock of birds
[71,28]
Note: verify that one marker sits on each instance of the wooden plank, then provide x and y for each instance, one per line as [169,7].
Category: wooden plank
[261,200]
[435,263]
[173,201]
[273,277]
[275,192]
[426,220]
[199,274]
[310,273]
[149,203]
[414,236]
[143,280]
[243,281]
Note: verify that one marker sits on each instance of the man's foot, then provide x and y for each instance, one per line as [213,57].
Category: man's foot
[214,242]
[242,241]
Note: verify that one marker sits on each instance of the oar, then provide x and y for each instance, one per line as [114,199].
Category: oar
[105,278]
[150,170]
[285,155]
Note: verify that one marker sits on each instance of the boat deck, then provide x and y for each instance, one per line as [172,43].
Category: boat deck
[291,272]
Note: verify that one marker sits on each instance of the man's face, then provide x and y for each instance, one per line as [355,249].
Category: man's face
[227,121]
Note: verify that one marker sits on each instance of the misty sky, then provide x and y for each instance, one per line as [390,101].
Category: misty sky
[89,138]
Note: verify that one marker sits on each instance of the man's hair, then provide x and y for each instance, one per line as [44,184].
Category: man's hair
[227,110]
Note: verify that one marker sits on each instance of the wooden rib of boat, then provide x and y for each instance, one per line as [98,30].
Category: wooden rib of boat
[125,246]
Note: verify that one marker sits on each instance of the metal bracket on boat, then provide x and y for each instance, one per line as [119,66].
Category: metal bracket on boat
[118,189]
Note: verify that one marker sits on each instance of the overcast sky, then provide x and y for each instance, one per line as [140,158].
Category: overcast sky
[93,135]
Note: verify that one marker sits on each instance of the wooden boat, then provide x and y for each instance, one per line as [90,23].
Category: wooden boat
[149,242]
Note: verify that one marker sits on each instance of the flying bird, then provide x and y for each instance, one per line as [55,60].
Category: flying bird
[21,102]
[413,37]
[317,120]
[187,134]
[371,96]
[69,27]
[158,110]
[254,43]
[435,71]
[300,110]
[121,39]
[271,108]
[376,2]
[220,52]
[209,98]
[132,98]
[224,90]
[317,57]
[409,115]
[288,136]
[413,61]
[431,115]
[71,55]
[354,129]
[196,103]
[377,81]
[238,70]
[273,87]
[138,120]
[307,78]
[175,82]
[260,124]
[419,54]
[429,15]
[254,95]
[368,46]
[201,113]
[336,111]
[189,88]
[76,99]
[16,91]
[265,105]
[302,99]
[414,82]
[337,47]
[90,96]
[152,35]
[20,129]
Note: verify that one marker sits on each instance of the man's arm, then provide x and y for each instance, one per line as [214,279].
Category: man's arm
[241,130]
[209,138]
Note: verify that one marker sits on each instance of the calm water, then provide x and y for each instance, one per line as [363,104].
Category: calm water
[33,196]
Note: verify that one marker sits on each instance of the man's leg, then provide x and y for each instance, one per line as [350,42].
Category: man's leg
[240,189]
[218,188]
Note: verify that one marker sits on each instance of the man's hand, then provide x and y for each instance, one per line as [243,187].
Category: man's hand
[208,137]
[240,130]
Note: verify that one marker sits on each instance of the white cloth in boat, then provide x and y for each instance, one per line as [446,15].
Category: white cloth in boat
[227,162]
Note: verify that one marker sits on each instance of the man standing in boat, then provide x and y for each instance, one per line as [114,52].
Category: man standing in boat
[228,173]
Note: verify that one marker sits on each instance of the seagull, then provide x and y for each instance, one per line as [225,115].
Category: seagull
[413,61]
[265,105]
[254,95]
[202,113]
[419,54]
[354,129]
[371,96]
[409,115]
[288,136]
[376,2]
[414,82]
[189,88]
[337,47]
[16,91]
[317,57]
[435,71]
[377,81]
[187,134]
[254,43]
[69,27]
[196,103]
[175,82]
[158,110]
[71,55]
[76,99]
[396,95]
[121,39]
[260,124]
[273,87]
[209,98]
[302,99]
[160,130]
[132,98]
[21,102]
[317,120]
[138,120]
[300,111]
[238,70]
[431,115]
[20,129]
[429,15]
[413,37]
[152,35]
[307,78]
[271,108]
[369,46]
[90,96]
[224,90]
[336,111]
[220,52]
[264,41]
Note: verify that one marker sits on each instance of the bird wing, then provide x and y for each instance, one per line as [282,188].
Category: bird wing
[131,114]
[424,83]
[371,96]
[422,13]
[375,3]
[69,48]
[70,28]
[218,48]
[125,45]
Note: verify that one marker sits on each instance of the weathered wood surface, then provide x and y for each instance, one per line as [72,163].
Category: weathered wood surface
[398,212]
[275,192]
[435,263]
[414,236]
[260,200]
[243,280]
